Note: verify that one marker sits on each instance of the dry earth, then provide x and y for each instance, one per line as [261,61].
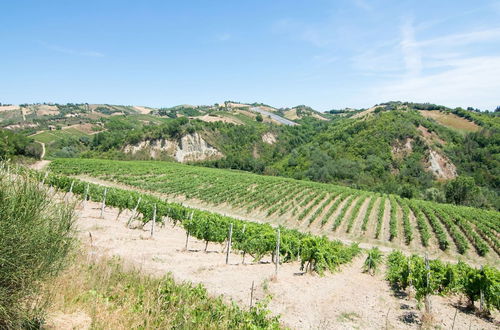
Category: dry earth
[8,107]
[142,110]
[348,299]
[211,119]
[85,128]
[366,112]
[253,115]
[451,120]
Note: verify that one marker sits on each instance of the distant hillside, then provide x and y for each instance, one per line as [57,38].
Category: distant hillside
[230,111]
[414,150]
[403,149]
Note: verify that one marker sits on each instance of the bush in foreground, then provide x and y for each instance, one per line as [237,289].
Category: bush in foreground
[36,236]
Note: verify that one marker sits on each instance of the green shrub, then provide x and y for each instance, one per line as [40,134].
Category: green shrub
[36,236]
[373,260]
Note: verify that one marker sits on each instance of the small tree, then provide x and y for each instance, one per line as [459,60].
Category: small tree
[461,190]
[259,118]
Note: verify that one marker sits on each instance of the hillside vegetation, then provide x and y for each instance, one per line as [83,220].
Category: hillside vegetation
[413,150]
[13,145]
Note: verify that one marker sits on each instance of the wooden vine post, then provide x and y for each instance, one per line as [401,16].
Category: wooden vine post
[187,232]
[410,286]
[103,201]
[243,259]
[134,212]
[85,194]
[154,220]
[251,295]
[427,295]
[454,318]
[277,254]
[481,295]
[69,192]
[229,242]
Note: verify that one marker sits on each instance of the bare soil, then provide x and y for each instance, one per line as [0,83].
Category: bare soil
[77,321]
[211,119]
[8,107]
[85,128]
[346,299]
[451,120]
[40,165]
[366,112]
[142,110]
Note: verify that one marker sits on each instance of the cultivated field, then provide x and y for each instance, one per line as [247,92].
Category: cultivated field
[451,120]
[52,136]
[338,212]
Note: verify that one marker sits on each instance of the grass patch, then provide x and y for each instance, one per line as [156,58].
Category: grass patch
[348,317]
[115,297]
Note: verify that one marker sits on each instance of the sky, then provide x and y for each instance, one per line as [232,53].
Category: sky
[325,54]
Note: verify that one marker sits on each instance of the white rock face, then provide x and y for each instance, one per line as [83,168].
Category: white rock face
[441,166]
[191,147]
[269,138]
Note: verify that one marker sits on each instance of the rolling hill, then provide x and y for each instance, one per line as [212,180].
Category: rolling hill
[408,149]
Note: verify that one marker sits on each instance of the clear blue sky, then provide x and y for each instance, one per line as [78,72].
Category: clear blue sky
[326,54]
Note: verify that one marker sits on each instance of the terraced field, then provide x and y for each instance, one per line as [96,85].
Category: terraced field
[332,210]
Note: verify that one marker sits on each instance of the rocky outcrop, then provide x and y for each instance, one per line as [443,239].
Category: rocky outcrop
[269,138]
[190,148]
[401,149]
[435,161]
[441,166]
[193,147]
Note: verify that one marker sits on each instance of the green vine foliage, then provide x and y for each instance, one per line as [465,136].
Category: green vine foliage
[255,239]
[444,278]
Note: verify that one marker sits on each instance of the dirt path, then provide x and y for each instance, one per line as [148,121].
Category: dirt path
[417,239]
[40,165]
[345,221]
[43,149]
[384,231]
[345,300]
[361,216]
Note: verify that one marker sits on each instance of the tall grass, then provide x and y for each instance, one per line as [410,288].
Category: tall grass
[116,297]
[35,237]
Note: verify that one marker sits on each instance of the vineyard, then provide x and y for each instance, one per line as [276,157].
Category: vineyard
[331,210]
[316,254]
[433,277]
